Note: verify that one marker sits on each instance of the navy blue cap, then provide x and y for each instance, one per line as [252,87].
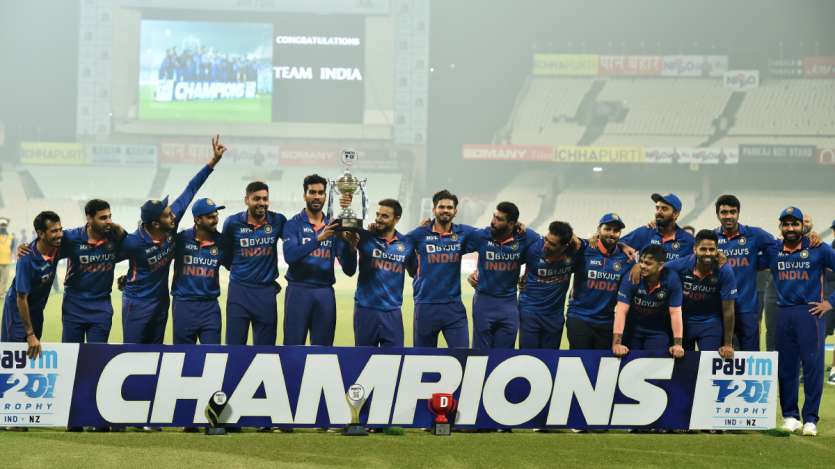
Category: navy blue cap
[612,219]
[670,199]
[204,207]
[791,212]
[152,209]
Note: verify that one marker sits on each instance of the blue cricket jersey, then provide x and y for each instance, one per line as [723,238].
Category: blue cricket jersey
[197,267]
[741,250]
[547,280]
[251,248]
[311,261]
[649,308]
[798,274]
[597,277]
[382,266]
[499,262]
[34,274]
[703,296]
[438,257]
[680,245]
[149,258]
[90,265]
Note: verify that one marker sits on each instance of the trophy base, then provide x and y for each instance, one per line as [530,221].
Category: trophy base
[349,224]
[354,430]
[211,431]
[442,429]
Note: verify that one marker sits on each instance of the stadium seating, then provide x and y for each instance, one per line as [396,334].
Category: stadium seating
[790,107]
[77,181]
[541,111]
[519,191]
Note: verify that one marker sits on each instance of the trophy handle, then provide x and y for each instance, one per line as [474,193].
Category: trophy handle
[330,199]
[364,191]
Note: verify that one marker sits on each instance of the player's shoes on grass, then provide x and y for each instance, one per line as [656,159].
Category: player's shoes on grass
[810,429]
[831,378]
[151,429]
[791,425]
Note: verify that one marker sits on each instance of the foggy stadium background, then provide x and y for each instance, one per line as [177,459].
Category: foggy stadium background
[437,77]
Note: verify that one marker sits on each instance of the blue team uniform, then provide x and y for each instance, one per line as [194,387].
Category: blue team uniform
[253,271]
[34,275]
[702,306]
[145,300]
[680,245]
[495,309]
[591,308]
[378,320]
[798,278]
[87,312]
[741,249]
[542,302]
[437,286]
[196,287]
[310,304]
[648,324]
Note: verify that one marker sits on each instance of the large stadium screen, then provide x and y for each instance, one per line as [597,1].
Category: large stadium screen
[289,68]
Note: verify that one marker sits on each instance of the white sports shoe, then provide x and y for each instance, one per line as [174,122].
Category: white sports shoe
[810,429]
[791,425]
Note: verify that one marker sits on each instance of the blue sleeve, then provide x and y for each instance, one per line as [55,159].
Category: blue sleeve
[347,257]
[727,290]
[23,276]
[472,241]
[281,221]
[764,258]
[674,283]
[675,265]
[764,239]
[626,290]
[182,202]
[635,239]
[293,248]
[828,258]
[125,249]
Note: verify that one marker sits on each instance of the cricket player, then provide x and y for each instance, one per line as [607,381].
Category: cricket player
[655,304]
[591,308]
[798,270]
[311,243]
[34,273]
[501,249]
[741,244]
[549,263]
[384,257]
[251,237]
[675,241]
[438,248]
[709,292]
[198,255]
[150,250]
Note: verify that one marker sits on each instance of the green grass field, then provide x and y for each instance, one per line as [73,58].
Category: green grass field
[308,448]
[229,110]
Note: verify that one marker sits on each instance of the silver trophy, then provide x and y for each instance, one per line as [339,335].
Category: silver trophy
[348,184]
[356,399]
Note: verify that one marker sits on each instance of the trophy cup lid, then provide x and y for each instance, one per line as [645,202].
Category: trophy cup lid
[356,392]
[219,398]
[348,157]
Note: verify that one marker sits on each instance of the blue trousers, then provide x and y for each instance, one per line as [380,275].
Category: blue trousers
[309,310]
[706,335]
[540,329]
[378,327]
[641,339]
[12,330]
[800,340]
[86,321]
[432,319]
[144,320]
[196,319]
[495,322]
[251,305]
[747,331]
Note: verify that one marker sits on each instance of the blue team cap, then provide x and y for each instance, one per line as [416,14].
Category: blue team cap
[205,207]
[670,199]
[791,212]
[612,219]
[152,209]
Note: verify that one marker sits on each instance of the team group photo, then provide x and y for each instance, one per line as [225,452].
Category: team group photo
[234,233]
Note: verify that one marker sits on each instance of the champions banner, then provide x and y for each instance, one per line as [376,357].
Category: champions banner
[157,385]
